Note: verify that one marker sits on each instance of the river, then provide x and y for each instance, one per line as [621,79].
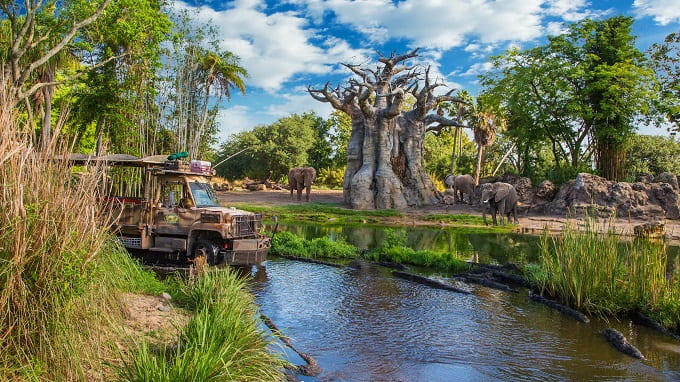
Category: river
[363,324]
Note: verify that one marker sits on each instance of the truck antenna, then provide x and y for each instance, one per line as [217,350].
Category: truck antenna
[230,156]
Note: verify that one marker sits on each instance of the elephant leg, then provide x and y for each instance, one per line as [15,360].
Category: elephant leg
[501,212]
[309,189]
[493,214]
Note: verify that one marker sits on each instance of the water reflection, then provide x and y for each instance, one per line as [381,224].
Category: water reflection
[365,325]
[479,247]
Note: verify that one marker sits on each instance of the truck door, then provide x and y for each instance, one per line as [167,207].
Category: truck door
[174,215]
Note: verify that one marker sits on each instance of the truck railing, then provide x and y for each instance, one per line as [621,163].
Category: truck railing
[245,225]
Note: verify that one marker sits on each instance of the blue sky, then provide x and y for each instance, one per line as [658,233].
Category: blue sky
[289,45]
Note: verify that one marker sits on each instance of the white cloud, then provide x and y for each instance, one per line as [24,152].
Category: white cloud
[272,47]
[664,12]
[298,102]
[233,120]
[443,25]
[478,68]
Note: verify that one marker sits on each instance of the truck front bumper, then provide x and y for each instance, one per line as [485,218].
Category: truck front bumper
[247,252]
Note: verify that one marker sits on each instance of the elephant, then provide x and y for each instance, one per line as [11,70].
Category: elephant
[299,178]
[461,185]
[499,198]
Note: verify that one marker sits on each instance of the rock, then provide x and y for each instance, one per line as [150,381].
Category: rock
[164,308]
[667,177]
[448,197]
[165,296]
[651,230]
[525,191]
[617,340]
[595,196]
[546,191]
[644,178]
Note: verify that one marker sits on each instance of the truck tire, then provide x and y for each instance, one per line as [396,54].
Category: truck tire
[207,248]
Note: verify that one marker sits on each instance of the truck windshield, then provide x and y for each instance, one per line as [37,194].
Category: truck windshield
[203,194]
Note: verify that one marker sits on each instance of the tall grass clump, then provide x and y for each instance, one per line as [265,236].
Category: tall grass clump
[55,294]
[221,342]
[288,244]
[394,249]
[597,271]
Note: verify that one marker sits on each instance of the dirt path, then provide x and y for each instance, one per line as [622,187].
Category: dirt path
[414,216]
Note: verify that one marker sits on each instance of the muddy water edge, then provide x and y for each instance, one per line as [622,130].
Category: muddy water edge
[362,324]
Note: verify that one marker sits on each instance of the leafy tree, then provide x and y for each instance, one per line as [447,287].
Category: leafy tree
[437,154]
[320,154]
[653,155]
[666,61]
[583,88]
[198,76]
[37,39]
[276,147]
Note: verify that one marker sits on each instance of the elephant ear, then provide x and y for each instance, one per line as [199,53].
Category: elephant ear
[502,191]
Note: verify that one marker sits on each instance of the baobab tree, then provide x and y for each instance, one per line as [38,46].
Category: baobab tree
[385,151]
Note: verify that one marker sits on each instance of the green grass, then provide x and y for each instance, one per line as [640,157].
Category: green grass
[288,244]
[221,342]
[393,249]
[603,273]
[319,212]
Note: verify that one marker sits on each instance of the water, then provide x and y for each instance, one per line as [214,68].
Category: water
[366,325]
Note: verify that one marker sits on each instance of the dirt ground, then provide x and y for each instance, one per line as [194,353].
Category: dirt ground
[528,223]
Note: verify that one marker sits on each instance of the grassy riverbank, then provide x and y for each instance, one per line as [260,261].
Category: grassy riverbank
[605,274]
[221,342]
[393,249]
[62,278]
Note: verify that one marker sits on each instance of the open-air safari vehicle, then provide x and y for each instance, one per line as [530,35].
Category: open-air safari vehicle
[167,210]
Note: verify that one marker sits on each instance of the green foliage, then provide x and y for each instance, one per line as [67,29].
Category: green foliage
[653,155]
[277,147]
[598,85]
[331,177]
[600,272]
[438,150]
[222,340]
[288,244]
[319,212]
[665,58]
[393,249]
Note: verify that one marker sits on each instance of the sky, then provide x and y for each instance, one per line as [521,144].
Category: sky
[289,45]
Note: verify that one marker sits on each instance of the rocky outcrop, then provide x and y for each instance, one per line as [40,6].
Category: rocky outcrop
[650,198]
[594,195]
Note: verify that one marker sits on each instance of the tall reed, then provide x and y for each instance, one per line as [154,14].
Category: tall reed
[54,293]
[596,270]
[221,342]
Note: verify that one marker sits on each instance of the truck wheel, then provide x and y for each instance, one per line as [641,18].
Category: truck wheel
[208,249]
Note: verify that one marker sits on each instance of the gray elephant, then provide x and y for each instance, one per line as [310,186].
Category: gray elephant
[499,198]
[461,185]
[299,178]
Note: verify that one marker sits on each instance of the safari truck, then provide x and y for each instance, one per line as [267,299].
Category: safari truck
[167,210]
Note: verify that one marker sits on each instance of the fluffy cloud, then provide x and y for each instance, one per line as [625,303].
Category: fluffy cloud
[273,47]
[233,120]
[664,12]
[446,24]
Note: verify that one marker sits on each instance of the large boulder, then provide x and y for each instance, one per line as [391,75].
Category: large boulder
[594,195]
[667,177]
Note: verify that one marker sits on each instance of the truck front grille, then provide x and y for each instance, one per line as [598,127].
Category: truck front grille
[131,242]
[244,225]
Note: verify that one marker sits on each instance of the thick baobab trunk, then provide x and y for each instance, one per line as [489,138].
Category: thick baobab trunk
[384,155]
